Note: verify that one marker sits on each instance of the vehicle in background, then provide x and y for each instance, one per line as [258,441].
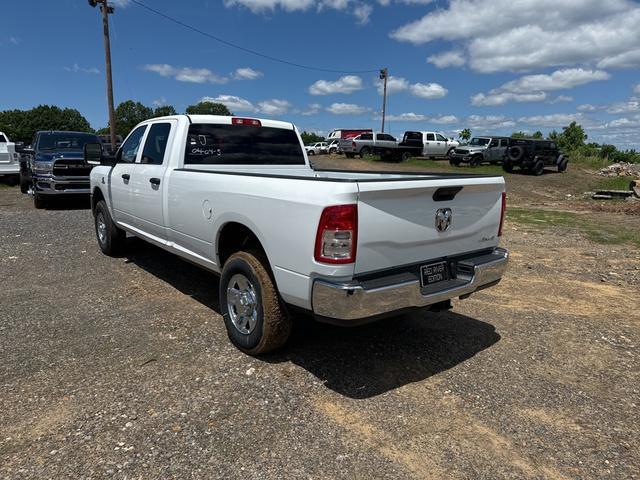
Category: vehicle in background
[481,150]
[238,197]
[345,133]
[106,143]
[366,143]
[532,155]
[334,146]
[55,166]
[422,144]
[318,148]
[9,159]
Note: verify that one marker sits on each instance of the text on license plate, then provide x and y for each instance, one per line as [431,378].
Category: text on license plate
[433,273]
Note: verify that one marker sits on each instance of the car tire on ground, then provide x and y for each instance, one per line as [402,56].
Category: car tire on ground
[24,183]
[450,152]
[476,160]
[405,156]
[538,168]
[111,239]
[364,151]
[255,319]
[562,166]
[350,155]
[39,201]
[507,167]
[453,162]
[310,152]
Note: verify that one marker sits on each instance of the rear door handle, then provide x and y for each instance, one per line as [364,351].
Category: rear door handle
[154,181]
[126,177]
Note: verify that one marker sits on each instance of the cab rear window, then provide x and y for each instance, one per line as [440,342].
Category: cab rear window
[242,145]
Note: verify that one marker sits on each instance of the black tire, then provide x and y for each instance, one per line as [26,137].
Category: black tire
[350,155]
[476,160]
[538,168]
[310,153]
[364,151]
[562,166]
[272,326]
[12,181]
[515,153]
[507,167]
[39,201]
[450,152]
[24,183]
[453,162]
[113,240]
[405,156]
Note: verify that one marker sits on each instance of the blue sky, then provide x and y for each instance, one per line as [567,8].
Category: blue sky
[495,66]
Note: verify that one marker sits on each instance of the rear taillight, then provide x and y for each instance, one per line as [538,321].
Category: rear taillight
[337,234]
[502,212]
[353,144]
[246,121]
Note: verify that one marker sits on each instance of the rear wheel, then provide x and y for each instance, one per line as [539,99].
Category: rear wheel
[350,155]
[111,239]
[364,151]
[255,320]
[453,162]
[538,168]
[24,183]
[310,153]
[405,156]
[562,166]
[507,167]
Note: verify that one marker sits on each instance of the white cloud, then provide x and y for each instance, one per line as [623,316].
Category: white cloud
[186,74]
[423,90]
[274,107]
[453,58]
[362,12]
[552,120]
[246,73]
[560,98]
[489,122]
[347,84]
[346,109]
[445,119]
[531,34]
[636,89]
[429,90]
[233,103]
[14,40]
[359,9]
[313,109]
[158,102]
[407,117]
[75,68]
[631,106]
[533,88]
[260,6]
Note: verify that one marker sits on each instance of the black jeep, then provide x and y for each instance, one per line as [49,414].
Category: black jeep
[532,155]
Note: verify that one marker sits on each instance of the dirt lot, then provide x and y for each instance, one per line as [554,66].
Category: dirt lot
[121,367]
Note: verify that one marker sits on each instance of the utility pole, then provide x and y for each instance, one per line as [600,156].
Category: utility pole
[384,73]
[106,10]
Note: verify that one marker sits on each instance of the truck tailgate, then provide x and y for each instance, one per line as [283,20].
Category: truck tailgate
[397,220]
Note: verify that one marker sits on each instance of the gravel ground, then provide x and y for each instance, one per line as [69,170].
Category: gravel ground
[120,368]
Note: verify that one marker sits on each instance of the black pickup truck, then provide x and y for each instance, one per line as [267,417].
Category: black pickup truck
[54,166]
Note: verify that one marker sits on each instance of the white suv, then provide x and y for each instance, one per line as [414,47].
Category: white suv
[318,148]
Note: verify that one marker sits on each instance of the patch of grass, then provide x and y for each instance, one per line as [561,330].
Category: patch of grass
[594,229]
[591,162]
[612,183]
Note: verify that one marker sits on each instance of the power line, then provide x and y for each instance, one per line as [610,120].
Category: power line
[246,50]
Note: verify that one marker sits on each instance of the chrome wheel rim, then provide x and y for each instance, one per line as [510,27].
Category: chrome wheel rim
[242,304]
[101,228]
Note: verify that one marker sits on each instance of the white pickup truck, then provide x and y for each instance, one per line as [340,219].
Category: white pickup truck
[9,159]
[237,196]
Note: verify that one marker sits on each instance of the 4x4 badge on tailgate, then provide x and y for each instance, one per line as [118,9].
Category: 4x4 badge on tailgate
[443,219]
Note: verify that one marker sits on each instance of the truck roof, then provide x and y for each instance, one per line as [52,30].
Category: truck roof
[226,120]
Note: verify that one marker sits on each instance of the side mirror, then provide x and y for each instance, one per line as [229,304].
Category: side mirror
[26,150]
[93,153]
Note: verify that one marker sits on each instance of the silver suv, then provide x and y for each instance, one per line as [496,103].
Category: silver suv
[481,150]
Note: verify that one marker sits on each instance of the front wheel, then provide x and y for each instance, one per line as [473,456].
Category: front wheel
[450,152]
[507,167]
[111,239]
[350,155]
[405,156]
[39,201]
[24,183]
[310,153]
[538,168]
[255,320]
[562,166]
[453,162]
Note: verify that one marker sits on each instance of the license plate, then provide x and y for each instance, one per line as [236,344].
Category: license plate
[433,273]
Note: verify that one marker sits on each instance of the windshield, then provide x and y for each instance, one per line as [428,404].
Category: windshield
[479,141]
[65,141]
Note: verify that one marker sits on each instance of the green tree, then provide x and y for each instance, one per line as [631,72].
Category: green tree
[21,125]
[572,137]
[465,134]
[129,114]
[537,134]
[309,137]
[208,108]
[103,131]
[164,110]
[519,135]
[608,151]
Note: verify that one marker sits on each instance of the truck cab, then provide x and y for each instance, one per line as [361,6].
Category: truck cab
[432,144]
[9,159]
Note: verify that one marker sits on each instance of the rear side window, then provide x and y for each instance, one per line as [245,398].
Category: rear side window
[504,142]
[431,136]
[242,145]
[3,139]
[413,136]
[366,136]
[156,144]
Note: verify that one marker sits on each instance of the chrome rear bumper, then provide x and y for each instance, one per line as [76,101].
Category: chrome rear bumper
[359,300]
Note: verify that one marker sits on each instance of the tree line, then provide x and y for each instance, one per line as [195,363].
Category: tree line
[21,125]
